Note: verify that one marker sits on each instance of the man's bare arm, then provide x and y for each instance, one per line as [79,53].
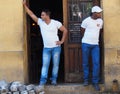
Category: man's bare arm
[82,31]
[29,12]
[64,30]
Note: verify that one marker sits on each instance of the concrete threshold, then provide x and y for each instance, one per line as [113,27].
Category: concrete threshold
[71,89]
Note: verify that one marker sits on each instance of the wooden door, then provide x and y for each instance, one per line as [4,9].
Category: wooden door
[74,13]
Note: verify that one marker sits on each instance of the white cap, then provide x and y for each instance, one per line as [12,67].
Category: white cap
[96,9]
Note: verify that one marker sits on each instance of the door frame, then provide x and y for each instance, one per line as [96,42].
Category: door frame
[65,22]
[25,46]
[66,63]
[26,29]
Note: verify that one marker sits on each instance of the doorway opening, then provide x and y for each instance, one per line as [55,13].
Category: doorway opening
[35,42]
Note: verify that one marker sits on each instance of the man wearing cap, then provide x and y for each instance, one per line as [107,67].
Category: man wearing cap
[90,29]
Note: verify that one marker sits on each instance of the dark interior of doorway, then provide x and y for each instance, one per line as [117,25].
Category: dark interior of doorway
[35,43]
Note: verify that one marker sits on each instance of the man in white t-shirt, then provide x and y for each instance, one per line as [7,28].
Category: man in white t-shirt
[90,28]
[52,44]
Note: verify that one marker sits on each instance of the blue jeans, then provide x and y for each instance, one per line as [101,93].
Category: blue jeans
[94,51]
[49,53]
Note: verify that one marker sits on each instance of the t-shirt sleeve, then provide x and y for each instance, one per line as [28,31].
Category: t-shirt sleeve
[84,24]
[58,24]
[39,21]
[101,24]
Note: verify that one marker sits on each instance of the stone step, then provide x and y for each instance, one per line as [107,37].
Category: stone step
[70,89]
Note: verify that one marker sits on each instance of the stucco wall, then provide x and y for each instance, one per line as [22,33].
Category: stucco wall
[111,16]
[11,40]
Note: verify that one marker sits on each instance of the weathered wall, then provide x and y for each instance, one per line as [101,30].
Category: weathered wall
[12,64]
[11,40]
[111,16]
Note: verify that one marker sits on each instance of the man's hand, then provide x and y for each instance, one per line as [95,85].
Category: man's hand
[29,12]
[24,2]
[59,42]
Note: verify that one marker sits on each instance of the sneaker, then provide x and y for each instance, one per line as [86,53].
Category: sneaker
[96,87]
[86,83]
[42,92]
[54,83]
[39,88]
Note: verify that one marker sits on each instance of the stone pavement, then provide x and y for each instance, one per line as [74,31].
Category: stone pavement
[75,89]
[70,89]
[17,87]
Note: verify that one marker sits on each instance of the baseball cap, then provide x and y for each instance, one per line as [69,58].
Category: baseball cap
[96,9]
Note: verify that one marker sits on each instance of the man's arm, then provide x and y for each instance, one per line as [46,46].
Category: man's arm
[64,30]
[29,12]
[82,30]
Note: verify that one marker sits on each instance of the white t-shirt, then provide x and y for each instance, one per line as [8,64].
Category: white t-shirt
[49,32]
[92,29]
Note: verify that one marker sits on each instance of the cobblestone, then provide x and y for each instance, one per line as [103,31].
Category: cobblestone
[19,88]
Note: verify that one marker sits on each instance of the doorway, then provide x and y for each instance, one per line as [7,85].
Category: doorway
[77,11]
[35,43]
[71,58]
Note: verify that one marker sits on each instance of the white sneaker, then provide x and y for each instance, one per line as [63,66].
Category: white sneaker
[39,88]
[42,92]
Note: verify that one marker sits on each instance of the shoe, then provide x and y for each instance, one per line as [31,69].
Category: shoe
[42,83]
[86,83]
[40,88]
[54,83]
[96,87]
